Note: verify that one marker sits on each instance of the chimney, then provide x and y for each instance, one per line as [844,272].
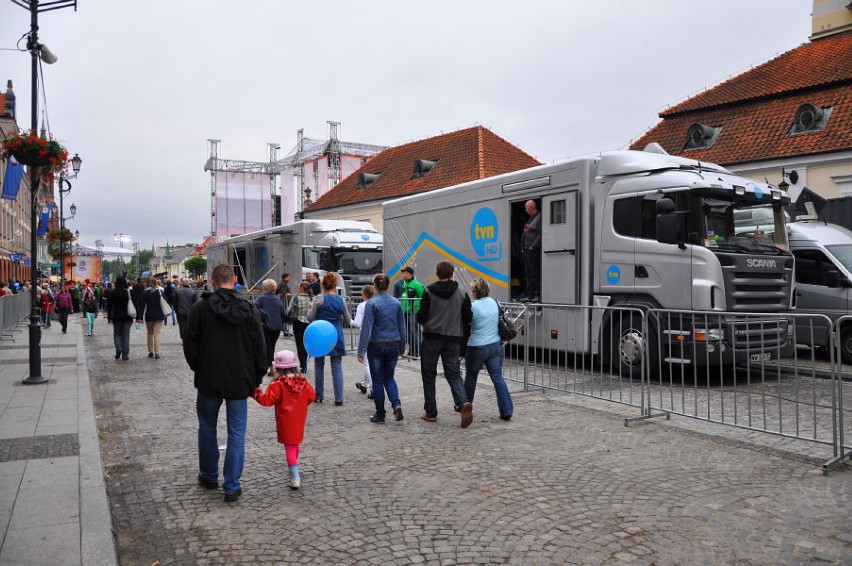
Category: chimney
[9,106]
[830,17]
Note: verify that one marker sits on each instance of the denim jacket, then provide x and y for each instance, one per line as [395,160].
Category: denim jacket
[383,322]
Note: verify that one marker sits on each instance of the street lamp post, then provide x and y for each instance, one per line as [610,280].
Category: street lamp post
[76,162]
[76,237]
[36,50]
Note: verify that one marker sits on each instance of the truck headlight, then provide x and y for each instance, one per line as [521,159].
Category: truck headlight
[708,334]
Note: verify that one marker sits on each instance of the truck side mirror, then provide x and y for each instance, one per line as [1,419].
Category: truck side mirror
[667,228]
[832,279]
[666,225]
[664,206]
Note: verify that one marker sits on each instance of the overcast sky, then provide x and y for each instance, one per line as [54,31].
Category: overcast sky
[140,86]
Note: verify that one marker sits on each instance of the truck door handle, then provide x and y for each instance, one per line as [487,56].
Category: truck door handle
[572,251]
[639,271]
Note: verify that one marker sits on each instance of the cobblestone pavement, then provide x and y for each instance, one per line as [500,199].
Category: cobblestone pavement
[563,483]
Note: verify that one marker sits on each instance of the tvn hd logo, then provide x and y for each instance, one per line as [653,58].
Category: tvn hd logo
[485,234]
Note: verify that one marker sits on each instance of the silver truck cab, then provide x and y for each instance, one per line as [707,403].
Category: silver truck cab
[823,255]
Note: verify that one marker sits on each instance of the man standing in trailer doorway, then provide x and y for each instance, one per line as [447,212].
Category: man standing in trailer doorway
[531,250]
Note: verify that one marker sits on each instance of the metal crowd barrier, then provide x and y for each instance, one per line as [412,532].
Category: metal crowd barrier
[842,342]
[554,345]
[738,369]
[352,334]
[14,309]
[746,371]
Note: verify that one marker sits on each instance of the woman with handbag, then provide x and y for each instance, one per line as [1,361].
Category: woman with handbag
[329,307]
[153,314]
[485,348]
[120,316]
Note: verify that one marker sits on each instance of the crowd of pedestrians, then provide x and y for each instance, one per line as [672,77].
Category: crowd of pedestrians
[229,343]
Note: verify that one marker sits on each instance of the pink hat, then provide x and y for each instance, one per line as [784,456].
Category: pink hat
[285,359]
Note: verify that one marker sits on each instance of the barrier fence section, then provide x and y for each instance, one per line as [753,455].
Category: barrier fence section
[745,370]
[842,348]
[14,308]
[351,334]
[758,371]
[567,348]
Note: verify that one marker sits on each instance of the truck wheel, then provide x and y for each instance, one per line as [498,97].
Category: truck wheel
[628,343]
[846,344]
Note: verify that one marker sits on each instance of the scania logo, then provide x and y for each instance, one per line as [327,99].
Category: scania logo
[761,263]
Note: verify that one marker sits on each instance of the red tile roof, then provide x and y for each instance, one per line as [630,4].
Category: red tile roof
[756,108]
[461,156]
[822,63]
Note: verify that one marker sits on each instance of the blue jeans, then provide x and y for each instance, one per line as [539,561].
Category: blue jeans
[490,355]
[121,337]
[207,409]
[90,322]
[336,377]
[448,350]
[382,359]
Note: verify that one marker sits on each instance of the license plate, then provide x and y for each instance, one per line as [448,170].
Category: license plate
[764,357]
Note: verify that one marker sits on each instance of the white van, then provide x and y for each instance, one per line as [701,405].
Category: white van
[823,279]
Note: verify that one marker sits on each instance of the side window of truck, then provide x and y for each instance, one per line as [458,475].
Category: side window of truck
[627,223]
[811,267]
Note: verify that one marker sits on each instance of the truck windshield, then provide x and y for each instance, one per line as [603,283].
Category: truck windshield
[843,253]
[359,262]
[743,226]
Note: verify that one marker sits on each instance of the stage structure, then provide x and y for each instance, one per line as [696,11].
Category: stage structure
[245,196]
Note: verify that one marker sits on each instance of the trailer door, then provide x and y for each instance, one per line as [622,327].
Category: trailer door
[559,249]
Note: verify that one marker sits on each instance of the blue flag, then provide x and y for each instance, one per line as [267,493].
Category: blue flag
[42,222]
[12,180]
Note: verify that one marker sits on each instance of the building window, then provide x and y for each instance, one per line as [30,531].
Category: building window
[810,118]
[700,136]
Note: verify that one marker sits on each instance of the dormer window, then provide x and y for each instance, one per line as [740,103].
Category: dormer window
[422,167]
[700,136]
[367,179]
[810,118]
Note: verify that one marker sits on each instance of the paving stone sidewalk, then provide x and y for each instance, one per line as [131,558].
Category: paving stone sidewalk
[53,503]
[565,482]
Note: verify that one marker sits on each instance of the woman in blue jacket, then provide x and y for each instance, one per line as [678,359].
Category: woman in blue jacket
[329,306]
[383,340]
[271,304]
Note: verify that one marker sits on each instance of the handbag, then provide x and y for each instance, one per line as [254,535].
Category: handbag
[131,308]
[164,305]
[292,310]
[505,328]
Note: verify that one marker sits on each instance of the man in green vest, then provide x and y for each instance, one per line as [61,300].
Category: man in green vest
[411,293]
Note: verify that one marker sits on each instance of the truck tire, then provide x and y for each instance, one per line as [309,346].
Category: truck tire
[627,341]
[846,344]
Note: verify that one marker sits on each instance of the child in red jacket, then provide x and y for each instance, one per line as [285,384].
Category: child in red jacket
[291,394]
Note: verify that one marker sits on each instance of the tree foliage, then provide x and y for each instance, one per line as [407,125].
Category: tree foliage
[196,266]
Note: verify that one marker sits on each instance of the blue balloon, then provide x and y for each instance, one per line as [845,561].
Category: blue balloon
[320,338]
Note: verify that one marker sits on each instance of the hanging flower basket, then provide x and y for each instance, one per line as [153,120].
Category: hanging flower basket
[30,149]
[60,235]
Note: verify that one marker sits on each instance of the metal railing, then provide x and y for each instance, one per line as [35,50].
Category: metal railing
[761,372]
[14,309]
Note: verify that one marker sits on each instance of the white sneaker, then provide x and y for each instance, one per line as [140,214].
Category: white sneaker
[294,484]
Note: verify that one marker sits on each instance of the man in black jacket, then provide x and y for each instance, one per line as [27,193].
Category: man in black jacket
[445,315]
[225,347]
